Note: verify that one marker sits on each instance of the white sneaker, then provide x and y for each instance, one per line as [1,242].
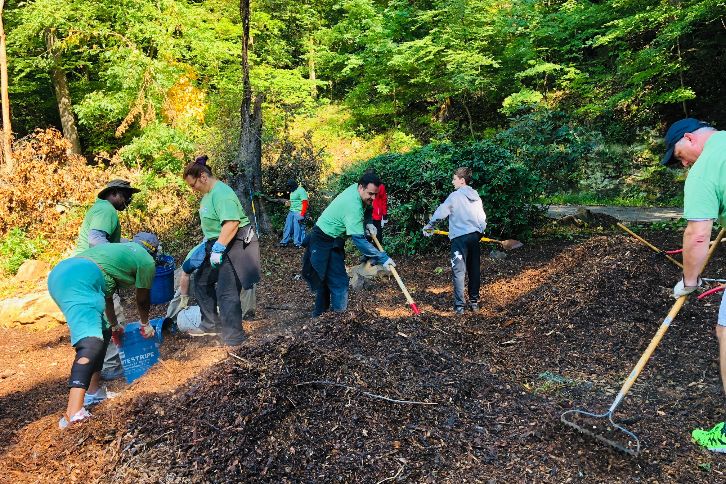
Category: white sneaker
[80,415]
[101,394]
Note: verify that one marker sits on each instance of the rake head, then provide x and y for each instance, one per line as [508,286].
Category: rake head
[602,427]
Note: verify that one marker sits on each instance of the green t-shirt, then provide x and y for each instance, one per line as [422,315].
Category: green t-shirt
[219,205]
[123,265]
[705,187]
[101,216]
[344,215]
[296,199]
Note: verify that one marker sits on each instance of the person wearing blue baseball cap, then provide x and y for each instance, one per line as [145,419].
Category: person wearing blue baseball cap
[698,146]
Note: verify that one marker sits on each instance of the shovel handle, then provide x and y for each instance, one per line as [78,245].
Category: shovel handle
[483,239]
[659,334]
[409,299]
[649,245]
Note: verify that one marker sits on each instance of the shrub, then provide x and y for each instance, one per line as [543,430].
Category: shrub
[418,181]
[48,192]
[16,248]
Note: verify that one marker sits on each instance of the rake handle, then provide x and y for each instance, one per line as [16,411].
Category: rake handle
[659,334]
[409,299]
[649,245]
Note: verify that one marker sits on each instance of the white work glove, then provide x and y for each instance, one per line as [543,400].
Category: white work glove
[384,221]
[371,230]
[183,301]
[389,264]
[147,331]
[681,289]
[428,230]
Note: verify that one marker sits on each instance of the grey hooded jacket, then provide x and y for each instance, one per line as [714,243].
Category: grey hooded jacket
[465,212]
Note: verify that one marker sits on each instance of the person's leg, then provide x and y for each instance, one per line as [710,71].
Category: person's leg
[112,368]
[298,230]
[287,232]
[473,268]
[458,271]
[230,308]
[84,377]
[337,280]
[203,286]
[322,299]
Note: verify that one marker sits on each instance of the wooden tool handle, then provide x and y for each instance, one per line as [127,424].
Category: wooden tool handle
[649,245]
[659,334]
[409,299]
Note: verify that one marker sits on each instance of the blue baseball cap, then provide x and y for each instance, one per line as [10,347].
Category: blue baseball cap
[676,132]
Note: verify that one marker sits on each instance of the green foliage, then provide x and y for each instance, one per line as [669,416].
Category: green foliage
[418,181]
[16,248]
[160,148]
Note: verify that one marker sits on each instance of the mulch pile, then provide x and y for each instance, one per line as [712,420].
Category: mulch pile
[360,397]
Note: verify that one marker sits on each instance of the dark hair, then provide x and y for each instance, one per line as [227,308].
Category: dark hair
[368,178]
[371,170]
[197,167]
[464,172]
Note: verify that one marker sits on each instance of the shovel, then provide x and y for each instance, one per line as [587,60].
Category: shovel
[409,299]
[589,423]
[509,244]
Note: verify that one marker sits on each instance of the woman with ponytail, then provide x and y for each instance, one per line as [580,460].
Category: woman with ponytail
[231,267]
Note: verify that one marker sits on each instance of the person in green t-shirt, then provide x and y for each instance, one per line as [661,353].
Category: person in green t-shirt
[298,204]
[231,267]
[101,224]
[82,287]
[324,258]
[698,146]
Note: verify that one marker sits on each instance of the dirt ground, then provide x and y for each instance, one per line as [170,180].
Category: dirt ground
[376,395]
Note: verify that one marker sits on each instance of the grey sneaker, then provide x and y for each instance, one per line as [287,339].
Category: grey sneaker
[459,311]
[80,415]
[195,331]
[474,306]
[101,394]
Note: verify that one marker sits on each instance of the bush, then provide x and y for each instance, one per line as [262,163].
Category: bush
[16,248]
[418,181]
[48,192]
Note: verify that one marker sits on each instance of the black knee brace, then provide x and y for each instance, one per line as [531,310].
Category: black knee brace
[94,349]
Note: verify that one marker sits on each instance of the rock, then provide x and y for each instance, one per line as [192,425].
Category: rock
[363,276]
[32,270]
[498,254]
[37,310]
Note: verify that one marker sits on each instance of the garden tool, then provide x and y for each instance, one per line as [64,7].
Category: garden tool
[650,246]
[409,299]
[509,244]
[589,423]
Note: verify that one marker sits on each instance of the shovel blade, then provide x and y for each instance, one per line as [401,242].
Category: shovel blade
[511,244]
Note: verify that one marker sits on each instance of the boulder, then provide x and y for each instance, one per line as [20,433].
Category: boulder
[32,270]
[365,275]
[36,310]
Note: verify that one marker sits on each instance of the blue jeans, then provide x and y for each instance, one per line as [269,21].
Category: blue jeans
[293,229]
[332,294]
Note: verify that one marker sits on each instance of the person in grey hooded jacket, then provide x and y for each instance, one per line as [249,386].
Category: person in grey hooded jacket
[467,222]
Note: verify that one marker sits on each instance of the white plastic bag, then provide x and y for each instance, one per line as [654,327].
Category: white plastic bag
[189,319]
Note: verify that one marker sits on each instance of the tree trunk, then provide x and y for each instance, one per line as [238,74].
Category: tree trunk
[7,135]
[62,94]
[248,179]
[311,69]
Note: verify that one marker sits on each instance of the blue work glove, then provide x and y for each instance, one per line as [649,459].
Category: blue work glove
[217,252]
[428,230]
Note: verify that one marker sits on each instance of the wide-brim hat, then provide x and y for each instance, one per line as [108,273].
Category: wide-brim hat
[117,184]
[676,132]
